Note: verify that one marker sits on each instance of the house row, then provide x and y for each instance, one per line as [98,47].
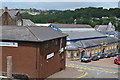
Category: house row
[37,52]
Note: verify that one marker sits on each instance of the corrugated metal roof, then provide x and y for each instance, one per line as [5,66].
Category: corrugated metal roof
[71,25]
[94,42]
[83,34]
[34,34]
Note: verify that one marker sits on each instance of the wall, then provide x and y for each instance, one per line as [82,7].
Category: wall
[30,58]
[24,58]
[54,64]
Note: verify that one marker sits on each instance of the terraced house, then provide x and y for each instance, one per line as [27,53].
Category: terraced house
[36,51]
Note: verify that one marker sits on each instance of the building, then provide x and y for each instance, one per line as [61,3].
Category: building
[108,27]
[10,17]
[36,51]
[108,30]
[83,38]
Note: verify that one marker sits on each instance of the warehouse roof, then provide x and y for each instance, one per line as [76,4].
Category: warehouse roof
[34,34]
[95,42]
[83,34]
[71,25]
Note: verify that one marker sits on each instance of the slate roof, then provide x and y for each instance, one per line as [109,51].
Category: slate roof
[92,42]
[71,25]
[32,34]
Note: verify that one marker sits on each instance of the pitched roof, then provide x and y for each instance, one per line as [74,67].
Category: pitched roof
[33,34]
[27,22]
[95,42]
[71,25]
[104,28]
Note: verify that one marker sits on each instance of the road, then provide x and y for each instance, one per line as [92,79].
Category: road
[104,68]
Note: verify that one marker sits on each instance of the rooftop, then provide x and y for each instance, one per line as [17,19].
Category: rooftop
[32,34]
[71,25]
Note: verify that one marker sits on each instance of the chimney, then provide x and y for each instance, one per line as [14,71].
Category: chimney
[6,9]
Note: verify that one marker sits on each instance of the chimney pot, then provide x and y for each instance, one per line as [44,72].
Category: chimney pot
[6,9]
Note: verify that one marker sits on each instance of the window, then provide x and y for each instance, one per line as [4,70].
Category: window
[47,44]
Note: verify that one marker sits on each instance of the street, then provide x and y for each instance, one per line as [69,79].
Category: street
[104,68]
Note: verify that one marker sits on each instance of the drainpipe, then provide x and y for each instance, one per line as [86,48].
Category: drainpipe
[37,60]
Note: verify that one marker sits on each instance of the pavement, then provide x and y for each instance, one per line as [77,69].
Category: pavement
[104,68]
[69,72]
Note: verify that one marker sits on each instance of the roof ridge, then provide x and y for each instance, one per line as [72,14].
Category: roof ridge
[32,33]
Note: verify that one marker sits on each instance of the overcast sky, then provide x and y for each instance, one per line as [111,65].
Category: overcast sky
[60,0]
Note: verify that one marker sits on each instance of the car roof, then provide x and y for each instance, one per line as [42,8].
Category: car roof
[118,57]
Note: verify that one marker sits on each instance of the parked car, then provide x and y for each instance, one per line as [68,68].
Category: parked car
[85,59]
[101,55]
[116,53]
[112,54]
[95,58]
[117,60]
[107,55]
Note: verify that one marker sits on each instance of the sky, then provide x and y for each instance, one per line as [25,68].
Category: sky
[60,0]
[58,4]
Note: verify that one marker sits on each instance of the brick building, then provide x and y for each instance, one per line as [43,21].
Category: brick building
[36,51]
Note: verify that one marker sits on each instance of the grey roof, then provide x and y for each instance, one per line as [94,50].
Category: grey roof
[98,41]
[83,34]
[118,35]
[103,28]
[34,34]
[72,25]
[27,22]
[90,43]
